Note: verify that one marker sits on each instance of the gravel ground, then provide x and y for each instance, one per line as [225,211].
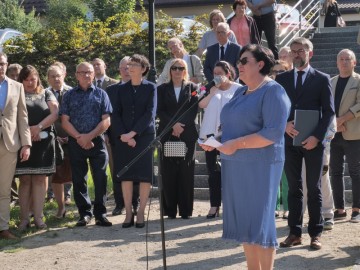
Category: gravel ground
[190,244]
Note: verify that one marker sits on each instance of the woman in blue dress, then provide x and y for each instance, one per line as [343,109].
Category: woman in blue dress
[253,125]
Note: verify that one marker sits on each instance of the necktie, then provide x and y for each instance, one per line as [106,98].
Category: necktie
[98,83]
[222,53]
[299,81]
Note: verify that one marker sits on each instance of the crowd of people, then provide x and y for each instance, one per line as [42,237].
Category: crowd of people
[56,135]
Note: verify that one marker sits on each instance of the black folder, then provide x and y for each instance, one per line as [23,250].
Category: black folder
[306,122]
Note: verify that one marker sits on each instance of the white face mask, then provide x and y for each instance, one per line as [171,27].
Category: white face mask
[218,79]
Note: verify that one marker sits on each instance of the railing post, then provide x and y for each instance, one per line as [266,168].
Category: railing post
[300,19]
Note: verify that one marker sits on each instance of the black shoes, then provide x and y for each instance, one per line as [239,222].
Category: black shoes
[139,225]
[214,215]
[339,216]
[117,211]
[83,221]
[103,221]
[129,224]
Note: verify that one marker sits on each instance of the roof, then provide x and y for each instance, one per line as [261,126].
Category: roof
[182,3]
[342,4]
[40,6]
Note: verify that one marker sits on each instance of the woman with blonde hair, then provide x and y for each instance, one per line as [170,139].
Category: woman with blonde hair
[331,13]
[177,50]
[43,110]
[178,172]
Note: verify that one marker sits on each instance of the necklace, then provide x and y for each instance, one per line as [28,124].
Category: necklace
[135,88]
[257,87]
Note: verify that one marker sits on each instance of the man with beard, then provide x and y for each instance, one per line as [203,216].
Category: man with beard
[308,89]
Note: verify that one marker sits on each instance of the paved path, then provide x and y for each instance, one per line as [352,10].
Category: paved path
[191,244]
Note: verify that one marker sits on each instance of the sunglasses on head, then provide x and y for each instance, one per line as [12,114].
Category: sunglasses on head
[243,61]
[177,68]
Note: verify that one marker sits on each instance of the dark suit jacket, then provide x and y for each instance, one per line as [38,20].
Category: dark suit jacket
[315,95]
[232,54]
[132,112]
[168,106]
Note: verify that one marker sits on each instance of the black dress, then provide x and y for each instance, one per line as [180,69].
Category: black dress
[331,16]
[134,110]
[42,153]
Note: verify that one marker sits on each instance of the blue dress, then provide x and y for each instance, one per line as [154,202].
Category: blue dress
[251,177]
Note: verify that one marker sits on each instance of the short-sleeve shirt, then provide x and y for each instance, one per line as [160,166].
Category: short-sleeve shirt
[85,108]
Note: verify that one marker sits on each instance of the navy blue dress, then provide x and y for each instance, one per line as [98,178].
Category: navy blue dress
[251,177]
[134,110]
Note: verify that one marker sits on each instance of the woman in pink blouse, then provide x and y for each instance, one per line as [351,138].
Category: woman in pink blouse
[243,26]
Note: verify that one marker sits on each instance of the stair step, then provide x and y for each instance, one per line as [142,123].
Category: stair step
[320,39]
[338,45]
[330,50]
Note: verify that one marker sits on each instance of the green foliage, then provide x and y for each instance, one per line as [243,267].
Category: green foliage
[13,16]
[64,12]
[110,40]
[102,9]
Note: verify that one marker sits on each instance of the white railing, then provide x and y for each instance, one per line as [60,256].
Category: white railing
[308,17]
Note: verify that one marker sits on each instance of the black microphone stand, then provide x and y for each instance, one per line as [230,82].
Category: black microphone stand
[156,144]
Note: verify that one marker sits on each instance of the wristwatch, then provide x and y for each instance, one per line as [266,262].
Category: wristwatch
[40,126]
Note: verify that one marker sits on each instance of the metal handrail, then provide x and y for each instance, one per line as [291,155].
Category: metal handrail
[312,16]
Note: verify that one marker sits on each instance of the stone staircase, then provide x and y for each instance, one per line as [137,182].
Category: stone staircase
[327,45]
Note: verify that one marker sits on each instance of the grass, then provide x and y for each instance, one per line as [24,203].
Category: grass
[50,209]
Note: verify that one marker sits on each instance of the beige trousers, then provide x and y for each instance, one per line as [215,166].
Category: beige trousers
[7,170]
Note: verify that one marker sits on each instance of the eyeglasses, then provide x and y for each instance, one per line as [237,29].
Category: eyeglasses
[134,65]
[83,73]
[243,61]
[173,68]
[299,51]
[221,32]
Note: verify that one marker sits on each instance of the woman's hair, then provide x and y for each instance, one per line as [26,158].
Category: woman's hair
[178,41]
[227,68]
[26,72]
[238,3]
[141,59]
[260,53]
[183,63]
[213,14]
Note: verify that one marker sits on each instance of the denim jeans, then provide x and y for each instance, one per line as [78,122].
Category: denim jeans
[339,149]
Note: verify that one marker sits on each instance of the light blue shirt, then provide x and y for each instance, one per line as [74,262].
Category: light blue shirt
[264,10]
[3,93]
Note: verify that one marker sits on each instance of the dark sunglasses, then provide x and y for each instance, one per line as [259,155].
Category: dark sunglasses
[243,61]
[177,68]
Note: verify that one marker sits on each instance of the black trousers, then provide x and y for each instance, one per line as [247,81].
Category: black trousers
[267,23]
[98,159]
[178,183]
[214,178]
[294,156]
[339,149]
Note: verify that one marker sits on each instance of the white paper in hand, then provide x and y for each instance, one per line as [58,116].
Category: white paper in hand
[211,141]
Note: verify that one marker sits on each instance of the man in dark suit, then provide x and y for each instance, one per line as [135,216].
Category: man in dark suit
[101,79]
[224,50]
[308,89]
